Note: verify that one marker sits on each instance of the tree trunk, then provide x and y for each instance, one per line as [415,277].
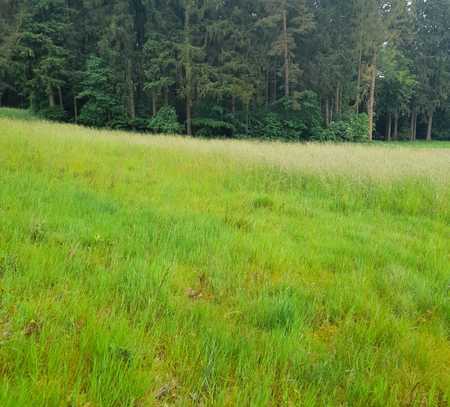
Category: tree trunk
[358,81]
[1,97]
[275,85]
[154,103]
[396,125]
[189,116]
[331,112]
[233,104]
[266,94]
[31,101]
[130,85]
[286,55]
[389,127]
[338,99]
[51,98]
[247,118]
[371,101]
[60,95]
[412,129]
[430,125]
[327,113]
[415,125]
[166,96]
[75,109]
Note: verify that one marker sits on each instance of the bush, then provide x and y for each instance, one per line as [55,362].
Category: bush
[272,126]
[55,113]
[357,126]
[296,129]
[95,113]
[165,121]
[323,135]
[352,128]
[290,118]
[120,122]
[207,127]
[139,124]
[307,104]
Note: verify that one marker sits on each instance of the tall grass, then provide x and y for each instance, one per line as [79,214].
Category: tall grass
[160,270]
[19,114]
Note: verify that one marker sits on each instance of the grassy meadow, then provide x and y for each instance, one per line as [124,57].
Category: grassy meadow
[157,270]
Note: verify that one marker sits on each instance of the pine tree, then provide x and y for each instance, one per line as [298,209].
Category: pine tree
[41,50]
[432,57]
[287,19]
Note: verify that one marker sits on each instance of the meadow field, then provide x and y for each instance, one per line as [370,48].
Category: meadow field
[141,270]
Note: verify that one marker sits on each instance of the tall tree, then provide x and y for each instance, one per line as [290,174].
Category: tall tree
[397,84]
[287,19]
[432,57]
[41,50]
[380,21]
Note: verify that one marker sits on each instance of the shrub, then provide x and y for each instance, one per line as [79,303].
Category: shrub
[323,135]
[207,127]
[339,130]
[351,128]
[55,113]
[139,124]
[272,126]
[165,121]
[292,118]
[96,114]
[120,123]
[358,124]
[296,129]
[307,104]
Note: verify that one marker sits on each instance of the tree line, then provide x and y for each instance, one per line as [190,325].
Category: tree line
[295,69]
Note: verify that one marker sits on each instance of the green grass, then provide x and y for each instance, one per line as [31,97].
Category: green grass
[415,144]
[19,114]
[141,271]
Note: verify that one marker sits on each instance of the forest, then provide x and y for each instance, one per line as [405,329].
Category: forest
[329,70]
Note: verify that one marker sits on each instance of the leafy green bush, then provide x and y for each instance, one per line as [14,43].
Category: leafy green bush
[165,121]
[355,127]
[139,124]
[296,129]
[306,106]
[290,118]
[359,124]
[55,113]
[351,128]
[207,127]
[120,123]
[324,135]
[95,114]
[272,126]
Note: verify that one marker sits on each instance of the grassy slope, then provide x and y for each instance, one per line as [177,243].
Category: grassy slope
[137,271]
[19,114]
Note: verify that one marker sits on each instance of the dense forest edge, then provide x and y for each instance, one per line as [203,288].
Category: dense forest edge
[281,69]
